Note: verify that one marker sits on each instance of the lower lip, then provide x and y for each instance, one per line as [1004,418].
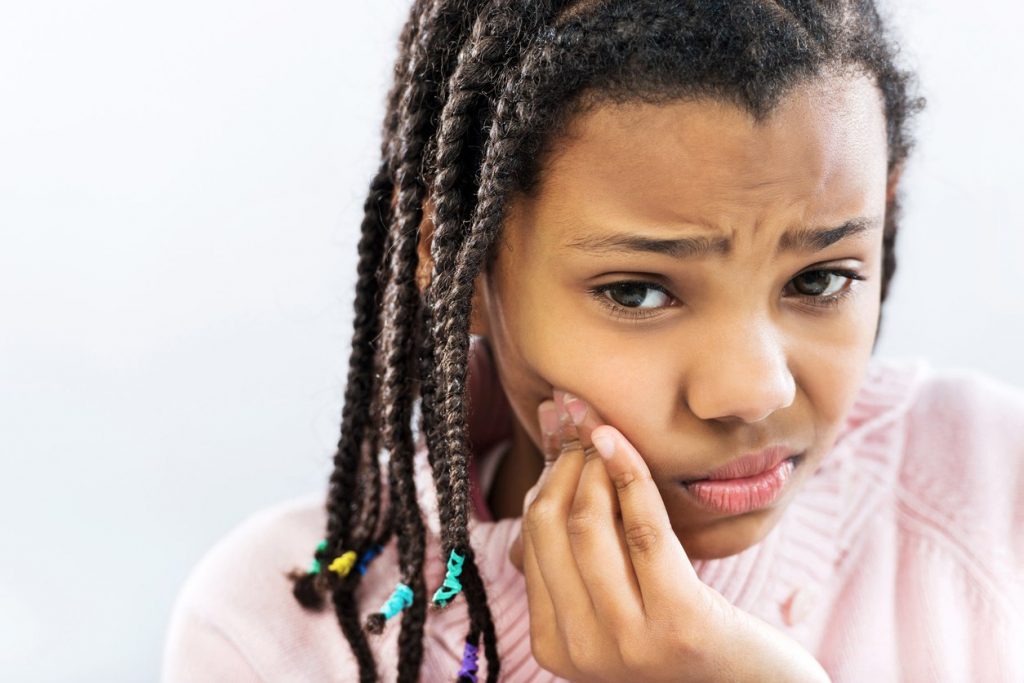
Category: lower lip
[736,496]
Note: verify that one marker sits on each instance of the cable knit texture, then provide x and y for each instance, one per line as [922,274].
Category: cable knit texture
[901,558]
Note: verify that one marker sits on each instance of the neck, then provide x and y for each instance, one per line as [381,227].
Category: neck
[516,473]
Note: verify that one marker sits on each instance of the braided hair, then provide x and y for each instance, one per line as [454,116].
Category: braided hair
[482,90]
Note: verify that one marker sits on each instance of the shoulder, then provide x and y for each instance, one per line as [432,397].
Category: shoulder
[941,426]
[962,476]
[236,612]
[964,445]
[250,562]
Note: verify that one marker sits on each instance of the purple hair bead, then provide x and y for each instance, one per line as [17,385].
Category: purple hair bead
[469,662]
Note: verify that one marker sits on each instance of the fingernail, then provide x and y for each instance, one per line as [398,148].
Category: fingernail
[604,443]
[576,407]
[558,395]
[547,414]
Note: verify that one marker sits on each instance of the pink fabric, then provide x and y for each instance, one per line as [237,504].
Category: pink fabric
[900,559]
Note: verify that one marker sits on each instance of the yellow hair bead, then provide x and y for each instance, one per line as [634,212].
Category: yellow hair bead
[343,564]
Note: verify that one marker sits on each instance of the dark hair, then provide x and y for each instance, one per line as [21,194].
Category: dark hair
[481,92]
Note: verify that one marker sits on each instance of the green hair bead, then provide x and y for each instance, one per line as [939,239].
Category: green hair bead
[314,567]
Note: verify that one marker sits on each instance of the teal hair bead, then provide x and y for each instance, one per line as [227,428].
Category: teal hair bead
[451,585]
[399,600]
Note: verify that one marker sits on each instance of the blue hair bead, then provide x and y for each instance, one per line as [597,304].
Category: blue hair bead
[451,585]
[399,600]
[367,558]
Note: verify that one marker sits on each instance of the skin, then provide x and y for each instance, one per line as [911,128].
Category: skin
[730,356]
[734,359]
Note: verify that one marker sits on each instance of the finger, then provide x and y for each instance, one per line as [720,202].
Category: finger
[547,416]
[546,642]
[663,571]
[582,413]
[546,521]
[599,546]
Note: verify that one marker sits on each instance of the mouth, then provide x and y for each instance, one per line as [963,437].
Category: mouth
[749,465]
[735,496]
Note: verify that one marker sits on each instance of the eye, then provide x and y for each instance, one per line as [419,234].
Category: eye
[635,295]
[819,283]
[825,288]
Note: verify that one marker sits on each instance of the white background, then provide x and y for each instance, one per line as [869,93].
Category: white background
[180,191]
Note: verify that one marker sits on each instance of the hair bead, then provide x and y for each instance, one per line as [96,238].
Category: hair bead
[314,567]
[399,600]
[467,672]
[451,585]
[367,558]
[343,564]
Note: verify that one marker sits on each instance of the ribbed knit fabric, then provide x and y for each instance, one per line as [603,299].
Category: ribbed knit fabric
[901,558]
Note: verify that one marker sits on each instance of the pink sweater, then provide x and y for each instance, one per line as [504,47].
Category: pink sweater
[901,559]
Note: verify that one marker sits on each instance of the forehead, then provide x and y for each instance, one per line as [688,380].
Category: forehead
[819,154]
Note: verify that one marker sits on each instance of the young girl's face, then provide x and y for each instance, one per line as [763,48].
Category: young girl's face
[699,356]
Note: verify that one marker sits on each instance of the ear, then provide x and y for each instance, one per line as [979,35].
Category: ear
[892,184]
[424,269]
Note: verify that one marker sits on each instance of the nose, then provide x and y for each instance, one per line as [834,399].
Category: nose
[741,373]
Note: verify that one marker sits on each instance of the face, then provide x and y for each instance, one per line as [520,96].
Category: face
[699,355]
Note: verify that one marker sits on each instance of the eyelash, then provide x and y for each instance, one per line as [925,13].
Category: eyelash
[833,301]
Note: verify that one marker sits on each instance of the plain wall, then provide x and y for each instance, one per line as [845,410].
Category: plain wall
[180,193]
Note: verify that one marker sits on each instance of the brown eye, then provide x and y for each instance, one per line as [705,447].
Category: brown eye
[815,283]
[635,294]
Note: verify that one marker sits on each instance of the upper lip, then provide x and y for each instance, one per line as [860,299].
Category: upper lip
[750,464]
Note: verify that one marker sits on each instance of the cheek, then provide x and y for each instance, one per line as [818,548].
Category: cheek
[544,346]
[632,383]
[829,367]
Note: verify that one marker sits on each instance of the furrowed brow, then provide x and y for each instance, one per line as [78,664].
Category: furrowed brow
[682,247]
[798,240]
[817,239]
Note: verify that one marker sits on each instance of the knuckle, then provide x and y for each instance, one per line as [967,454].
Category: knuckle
[630,478]
[580,521]
[641,537]
[538,516]
[540,650]
[571,445]
[632,655]
[579,653]
[689,635]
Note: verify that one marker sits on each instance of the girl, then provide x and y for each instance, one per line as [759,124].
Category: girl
[612,412]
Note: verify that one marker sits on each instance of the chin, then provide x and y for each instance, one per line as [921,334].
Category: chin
[729,536]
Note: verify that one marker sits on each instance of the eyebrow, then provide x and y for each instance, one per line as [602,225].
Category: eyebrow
[801,240]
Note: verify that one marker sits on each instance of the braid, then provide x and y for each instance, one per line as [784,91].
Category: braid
[401,306]
[405,318]
[341,506]
[480,64]
[501,148]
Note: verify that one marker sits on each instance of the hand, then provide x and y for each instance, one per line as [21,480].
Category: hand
[612,594]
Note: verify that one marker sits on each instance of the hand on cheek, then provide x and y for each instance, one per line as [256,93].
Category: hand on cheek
[612,595]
